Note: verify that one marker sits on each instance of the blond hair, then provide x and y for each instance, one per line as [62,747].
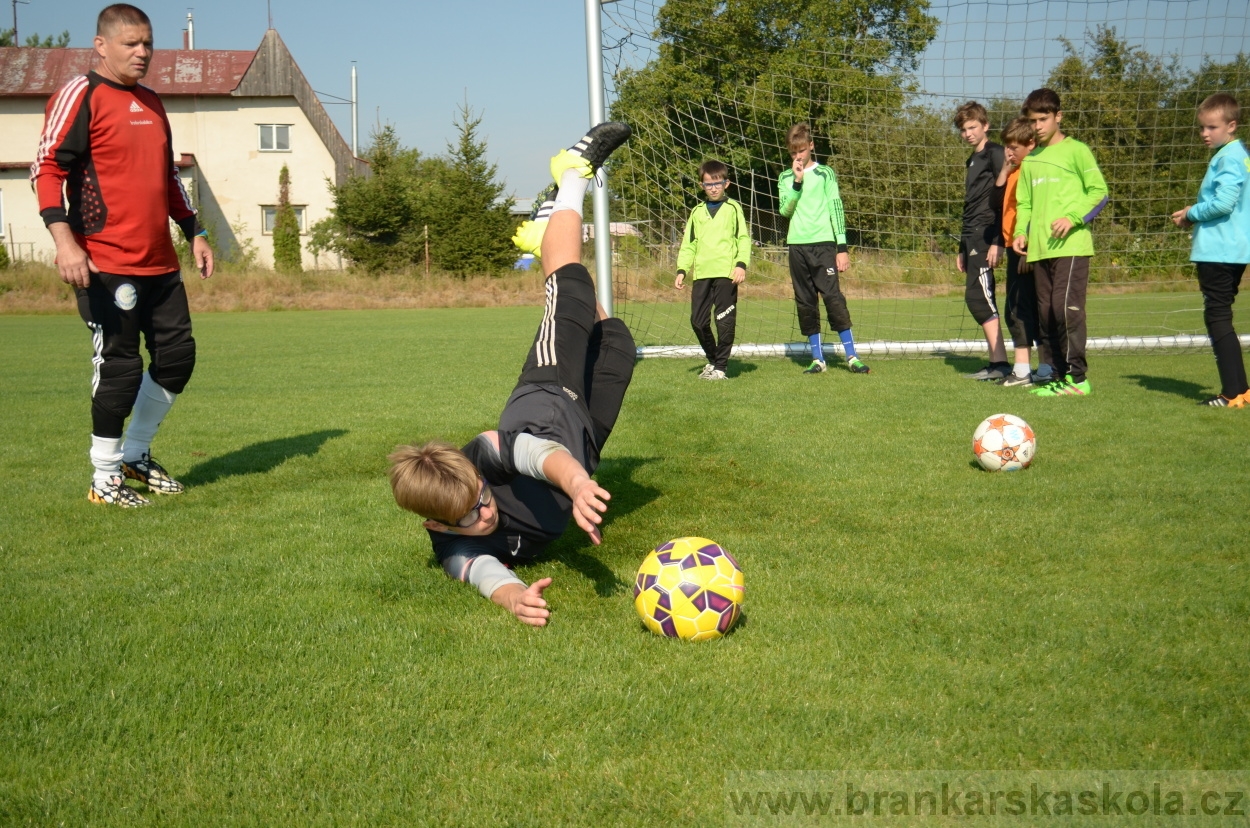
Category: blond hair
[435,480]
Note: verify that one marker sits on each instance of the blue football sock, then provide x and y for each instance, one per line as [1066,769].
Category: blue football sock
[848,342]
[818,348]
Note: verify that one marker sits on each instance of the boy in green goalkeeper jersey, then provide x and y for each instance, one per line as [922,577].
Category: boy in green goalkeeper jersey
[809,197]
[1060,191]
[715,250]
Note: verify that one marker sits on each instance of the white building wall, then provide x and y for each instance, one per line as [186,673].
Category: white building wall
[21,121]
[232,178]
[235,178]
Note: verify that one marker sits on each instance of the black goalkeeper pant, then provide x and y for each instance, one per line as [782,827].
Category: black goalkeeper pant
[714,298]
[1219,284]
[118,309]
[814,275]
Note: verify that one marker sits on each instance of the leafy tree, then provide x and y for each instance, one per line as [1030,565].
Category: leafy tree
[4,256]
[1121,100]
[733,75]
[1137,113]
[470,223]
[286,248]
[378,220]
[1232,77]
[35,41]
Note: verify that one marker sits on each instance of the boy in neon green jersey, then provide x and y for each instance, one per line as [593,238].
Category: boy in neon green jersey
[1060,191]
[716,249]
[817,238]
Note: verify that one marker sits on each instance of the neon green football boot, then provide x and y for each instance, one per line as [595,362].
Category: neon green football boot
[1063,388]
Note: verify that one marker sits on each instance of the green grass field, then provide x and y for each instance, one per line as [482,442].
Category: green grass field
[277,646]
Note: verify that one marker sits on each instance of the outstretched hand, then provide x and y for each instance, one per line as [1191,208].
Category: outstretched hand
[588,497]
[527,604]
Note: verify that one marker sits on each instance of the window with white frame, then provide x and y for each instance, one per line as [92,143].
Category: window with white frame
[269,216]
[1,214]
[275,137]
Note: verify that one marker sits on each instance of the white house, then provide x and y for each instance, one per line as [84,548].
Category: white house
[236,116]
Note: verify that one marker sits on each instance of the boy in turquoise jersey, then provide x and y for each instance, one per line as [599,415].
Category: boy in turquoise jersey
[1060,191]
[716,249]
[1221,248]
[817,239]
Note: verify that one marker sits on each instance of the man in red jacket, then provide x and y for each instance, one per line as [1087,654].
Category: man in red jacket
[106,145]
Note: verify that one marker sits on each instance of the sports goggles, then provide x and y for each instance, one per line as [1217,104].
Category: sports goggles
[471,517]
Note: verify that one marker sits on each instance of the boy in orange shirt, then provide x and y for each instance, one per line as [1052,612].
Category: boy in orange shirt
[1019,139]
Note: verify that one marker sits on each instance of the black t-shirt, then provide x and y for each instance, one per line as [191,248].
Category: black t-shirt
[983,198]
[532,513]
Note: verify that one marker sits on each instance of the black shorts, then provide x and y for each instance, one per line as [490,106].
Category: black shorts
[592,362]
[814,275]
[979,284]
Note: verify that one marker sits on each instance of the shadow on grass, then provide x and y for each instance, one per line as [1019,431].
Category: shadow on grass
[741,623]
[616,475]
[1168,385]
[259,457]
[964,364]
[832,362]
[734,368]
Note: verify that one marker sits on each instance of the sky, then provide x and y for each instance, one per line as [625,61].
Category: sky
[521,64]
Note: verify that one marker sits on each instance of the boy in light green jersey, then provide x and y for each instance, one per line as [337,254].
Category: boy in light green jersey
[1060,191]
[809,197]
[715,251]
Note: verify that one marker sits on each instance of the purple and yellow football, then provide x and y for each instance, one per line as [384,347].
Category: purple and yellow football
[689,588]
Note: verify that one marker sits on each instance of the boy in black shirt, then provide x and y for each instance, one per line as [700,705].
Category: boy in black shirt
[981,242]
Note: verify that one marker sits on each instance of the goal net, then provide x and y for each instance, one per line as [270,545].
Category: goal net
[879,82]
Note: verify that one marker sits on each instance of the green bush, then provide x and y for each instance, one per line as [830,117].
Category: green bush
[286,250]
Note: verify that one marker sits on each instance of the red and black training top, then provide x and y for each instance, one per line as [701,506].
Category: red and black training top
[108,147]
